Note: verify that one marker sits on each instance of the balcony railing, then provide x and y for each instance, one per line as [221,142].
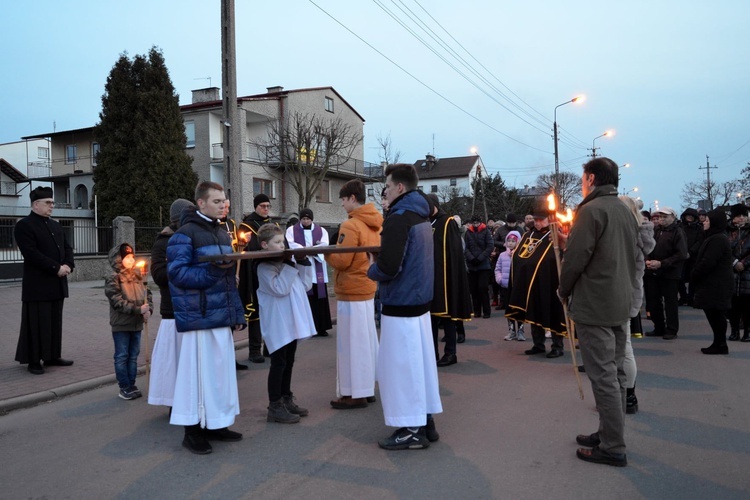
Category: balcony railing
[346,167]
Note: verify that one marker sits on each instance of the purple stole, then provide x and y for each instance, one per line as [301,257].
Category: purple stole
[299,238]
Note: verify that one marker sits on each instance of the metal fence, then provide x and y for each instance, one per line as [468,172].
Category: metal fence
[84,236]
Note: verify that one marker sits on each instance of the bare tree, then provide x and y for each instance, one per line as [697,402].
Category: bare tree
[386,152]
[569,191]
[301,149]
[720,193]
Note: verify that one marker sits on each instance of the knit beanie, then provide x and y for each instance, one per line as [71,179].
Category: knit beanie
[261,198]
[175,211]
[126,249]
[306,212]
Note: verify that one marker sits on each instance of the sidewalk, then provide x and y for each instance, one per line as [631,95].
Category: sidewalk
[86,339]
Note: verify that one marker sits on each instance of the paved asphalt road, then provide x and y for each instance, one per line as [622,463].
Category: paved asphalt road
[507,431]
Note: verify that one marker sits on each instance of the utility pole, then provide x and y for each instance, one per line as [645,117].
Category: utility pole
[708,168]
[232,127]
[479,182]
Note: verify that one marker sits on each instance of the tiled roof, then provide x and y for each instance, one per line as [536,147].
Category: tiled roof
[446,167]
[11,171]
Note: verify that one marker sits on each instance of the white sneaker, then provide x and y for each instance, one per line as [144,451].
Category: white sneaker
[521,338]
[510,336]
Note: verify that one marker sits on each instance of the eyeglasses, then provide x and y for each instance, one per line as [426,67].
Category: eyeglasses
[47,202]
[265,205]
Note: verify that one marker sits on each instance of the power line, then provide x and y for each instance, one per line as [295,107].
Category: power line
[424,84]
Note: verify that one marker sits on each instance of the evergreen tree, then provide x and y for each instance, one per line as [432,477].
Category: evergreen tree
[142,166]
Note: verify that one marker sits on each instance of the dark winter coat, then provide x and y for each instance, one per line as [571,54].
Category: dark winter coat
[739,239]
[479,245]
[693,233]
[248,286]
[404,267]
[45,249]
[671,250]
[159,271]
[204,294]
[712,275]
[126,292]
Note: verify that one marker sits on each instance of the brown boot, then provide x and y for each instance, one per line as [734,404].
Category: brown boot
[349,403]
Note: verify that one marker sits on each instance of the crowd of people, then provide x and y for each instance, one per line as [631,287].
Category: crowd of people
[589,281]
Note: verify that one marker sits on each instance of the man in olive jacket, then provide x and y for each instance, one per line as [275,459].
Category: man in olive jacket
[597,279]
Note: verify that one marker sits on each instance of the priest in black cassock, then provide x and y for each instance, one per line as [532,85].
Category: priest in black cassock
[533,285]
[451,301]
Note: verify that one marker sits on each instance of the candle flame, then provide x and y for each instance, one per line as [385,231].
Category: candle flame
[551,202]
[140,263]
[243,236]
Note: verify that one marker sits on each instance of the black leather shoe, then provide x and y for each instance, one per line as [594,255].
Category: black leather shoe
[36,369]
[554,353]
[59,362]
[631,404]
[460,338]
[447,360]
[669,336]
[735,335]
[371,399]
[534,350]
[713,349]
[197,444]
[222,435]
[257,358]
[597,456]
[589,440]
[321,334]
[239,366]
[654,333]
[581,369]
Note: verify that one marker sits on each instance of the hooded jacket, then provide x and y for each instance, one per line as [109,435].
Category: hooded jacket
[204,294]
[159,271]
[712,274]
[693,232]
[361,229]
[126,293]
[739,238]
[404,265]
[646,244]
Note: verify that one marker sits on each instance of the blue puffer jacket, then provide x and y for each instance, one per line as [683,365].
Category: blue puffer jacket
[405,264]
[204,295]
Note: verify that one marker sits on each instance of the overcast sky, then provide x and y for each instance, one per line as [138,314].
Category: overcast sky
[670,77]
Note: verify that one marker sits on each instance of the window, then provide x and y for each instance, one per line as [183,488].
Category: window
[329,104]
[42,153]
[263,186]
[453,181]
[370,192]
[421,188]
[433,188]
[190,134]
[94,152]
[70,153]
[324,192]
[6,233]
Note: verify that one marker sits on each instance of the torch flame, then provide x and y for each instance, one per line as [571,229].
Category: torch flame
[551,202]
[566,217]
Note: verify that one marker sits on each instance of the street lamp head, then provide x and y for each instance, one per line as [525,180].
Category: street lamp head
[474,150]
[578,98]
[627,165]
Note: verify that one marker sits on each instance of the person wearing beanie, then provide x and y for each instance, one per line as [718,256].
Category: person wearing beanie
[248,285]
[307,234]
[479,246]
[713,278]
[168,342]
[532,284]
[739,238]
[47,261]
[130,305]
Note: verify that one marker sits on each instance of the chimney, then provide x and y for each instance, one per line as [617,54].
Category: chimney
[209,94]
[431,161]
[275,90]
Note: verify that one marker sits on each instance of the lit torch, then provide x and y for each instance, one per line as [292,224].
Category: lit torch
[557,220]
[143,269]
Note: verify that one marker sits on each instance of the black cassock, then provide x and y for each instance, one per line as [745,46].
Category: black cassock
[451,297]
[533,283]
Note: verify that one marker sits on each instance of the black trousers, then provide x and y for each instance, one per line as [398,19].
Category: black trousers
[662,302]
[280,373]
[538,336]
[449,326]
[717,319]
[254,337]
[480,295]
[740,309]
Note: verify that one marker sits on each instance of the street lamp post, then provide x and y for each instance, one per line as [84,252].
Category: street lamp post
[608,133]
[579,98]
[628,191]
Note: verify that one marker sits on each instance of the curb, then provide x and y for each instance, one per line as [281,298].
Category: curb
[50,395]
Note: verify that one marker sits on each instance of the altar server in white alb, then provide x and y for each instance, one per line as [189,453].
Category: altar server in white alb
[207,307]
[356,336]
[306,233]
[407,370]
[285,318]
